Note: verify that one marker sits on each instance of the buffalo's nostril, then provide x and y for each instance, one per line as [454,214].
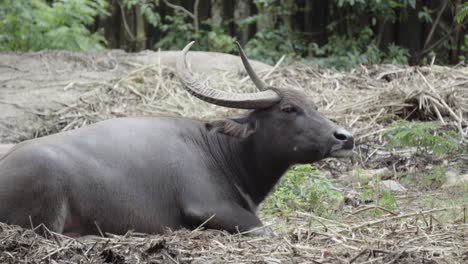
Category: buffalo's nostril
[344,136]
[340,136]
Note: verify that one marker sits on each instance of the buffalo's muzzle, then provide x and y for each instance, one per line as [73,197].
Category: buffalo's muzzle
[344,143]
[344,137]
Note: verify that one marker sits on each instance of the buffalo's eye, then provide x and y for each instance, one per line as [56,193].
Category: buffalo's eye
[289,109]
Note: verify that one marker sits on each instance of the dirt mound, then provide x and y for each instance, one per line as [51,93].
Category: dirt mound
[424,93]
[39,83]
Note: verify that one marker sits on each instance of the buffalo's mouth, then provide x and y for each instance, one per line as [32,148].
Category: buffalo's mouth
[341,151]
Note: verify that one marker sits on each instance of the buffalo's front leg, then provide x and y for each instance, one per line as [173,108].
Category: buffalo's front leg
[225,216]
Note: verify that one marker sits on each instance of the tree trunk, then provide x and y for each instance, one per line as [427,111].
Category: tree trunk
[127,36]
[457,37]
[111,25]
[316,20]
[411,34]
[140,39]
[287,18]
[196,23]
[241,12]
[217,13]
[385,33]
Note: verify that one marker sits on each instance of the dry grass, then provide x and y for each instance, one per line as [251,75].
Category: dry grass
[365,99]
[415,237]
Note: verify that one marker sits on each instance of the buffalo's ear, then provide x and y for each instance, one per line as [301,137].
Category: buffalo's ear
[239,127]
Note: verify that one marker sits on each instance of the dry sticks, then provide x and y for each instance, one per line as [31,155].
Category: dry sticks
[426,93]
[388,240]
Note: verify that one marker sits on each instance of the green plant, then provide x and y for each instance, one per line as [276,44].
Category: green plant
[429,179]
[215,39]
[269,45]
[426,137]
[345,52]
[303,188]
[396,55]
[387,200]
[462,13]
[273,41]
[459,18]
[382,197]
[425,15]
[178,31]
[146,8]
[35,25]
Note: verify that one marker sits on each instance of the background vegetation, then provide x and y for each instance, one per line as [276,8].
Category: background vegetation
[334,33]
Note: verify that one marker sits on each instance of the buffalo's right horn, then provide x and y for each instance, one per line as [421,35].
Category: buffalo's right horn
[263,99]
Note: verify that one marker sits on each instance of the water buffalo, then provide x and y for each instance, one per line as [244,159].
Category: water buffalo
[151,173]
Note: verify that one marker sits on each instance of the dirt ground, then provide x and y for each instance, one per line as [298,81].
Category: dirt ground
[49,92]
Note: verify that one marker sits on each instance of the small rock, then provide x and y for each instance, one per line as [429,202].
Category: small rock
[391,185]
[365,176]
[455,179]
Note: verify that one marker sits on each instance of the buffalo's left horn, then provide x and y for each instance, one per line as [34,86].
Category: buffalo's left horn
[261,85]
[263,99]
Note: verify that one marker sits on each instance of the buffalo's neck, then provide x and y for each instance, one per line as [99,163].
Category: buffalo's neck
[264,169]
[251,166]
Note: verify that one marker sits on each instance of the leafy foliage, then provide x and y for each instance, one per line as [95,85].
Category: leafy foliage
[343,52]
[303,188]
[147,10]
[382,197]
[34,25]
[426,137]
[429,179]
[269,46]
[64,24]
[178,31]
[215,39]
[462,13]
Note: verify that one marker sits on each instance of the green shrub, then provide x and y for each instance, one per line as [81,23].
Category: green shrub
[269,45]
[178,31]
[426,137]
[381,197]
[215,39]
[345,52]
[459,18]
[304,189]
[462,13]
[29,25]
[428,179]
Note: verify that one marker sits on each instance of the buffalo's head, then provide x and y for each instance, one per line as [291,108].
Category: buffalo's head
[283,118]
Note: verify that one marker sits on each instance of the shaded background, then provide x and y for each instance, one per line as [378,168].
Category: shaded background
[333,33]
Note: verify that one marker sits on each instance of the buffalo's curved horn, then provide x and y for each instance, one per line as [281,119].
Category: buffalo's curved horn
[199,89]
[261,85]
